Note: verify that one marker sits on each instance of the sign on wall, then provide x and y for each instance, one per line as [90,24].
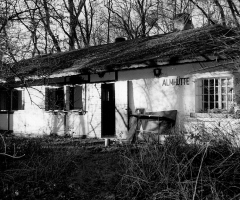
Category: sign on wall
[175,81]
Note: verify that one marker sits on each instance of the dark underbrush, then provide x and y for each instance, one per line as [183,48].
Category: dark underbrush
[56,173]
[177,170]
[172,171]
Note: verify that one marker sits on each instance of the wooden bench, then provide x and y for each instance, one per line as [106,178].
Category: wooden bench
[151,126]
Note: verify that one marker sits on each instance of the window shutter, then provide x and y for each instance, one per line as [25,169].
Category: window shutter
[21,102]
[15,97]
[71,98]
[75,96]
[47,98]
[67,97]
[3,100]
[78,97]
[59,98]
[8,99]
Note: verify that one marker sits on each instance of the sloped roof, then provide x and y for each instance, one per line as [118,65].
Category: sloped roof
[196,44]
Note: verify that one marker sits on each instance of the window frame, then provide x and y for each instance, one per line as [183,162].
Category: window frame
[11,103]
[67,98]
[22,97]
[73,101]
[51,92]
[5,100]
[219,94]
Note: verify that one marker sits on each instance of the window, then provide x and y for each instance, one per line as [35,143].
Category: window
[216,94]
[5,100]
[12,99]
[76,97]
[54,98]
[17,100]
[69,98]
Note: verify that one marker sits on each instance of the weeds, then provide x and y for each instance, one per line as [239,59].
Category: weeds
[52,170]
[174,170]
[177,170]
[41,173]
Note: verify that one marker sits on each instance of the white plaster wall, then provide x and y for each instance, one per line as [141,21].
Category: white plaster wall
[30,120]
[94,110]
[144,91]
[34,120]
[121,101]
[54,123]
[156,94]
[208,128]
[153,96]
[77,124]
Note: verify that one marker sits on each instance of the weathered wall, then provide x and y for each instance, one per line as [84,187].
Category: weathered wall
[77,124]
[121,105]
[94,110]
[35,121]
[175,89]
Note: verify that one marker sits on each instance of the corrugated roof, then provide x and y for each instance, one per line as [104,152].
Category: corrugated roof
[170,48]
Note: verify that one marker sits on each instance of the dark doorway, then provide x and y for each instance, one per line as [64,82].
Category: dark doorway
[108,110]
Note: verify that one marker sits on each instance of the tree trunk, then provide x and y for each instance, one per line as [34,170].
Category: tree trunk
[48,28]
[233,13]
[221,12]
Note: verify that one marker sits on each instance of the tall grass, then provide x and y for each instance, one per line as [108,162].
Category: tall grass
[41,173]
[177,170]
[54,169]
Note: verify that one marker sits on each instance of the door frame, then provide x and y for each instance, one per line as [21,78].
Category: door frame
[110,96]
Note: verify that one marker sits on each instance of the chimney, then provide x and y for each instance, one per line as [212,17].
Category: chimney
[182,22]
[119,39]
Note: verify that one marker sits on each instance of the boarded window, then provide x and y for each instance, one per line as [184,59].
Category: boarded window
[76,97]
[54,99]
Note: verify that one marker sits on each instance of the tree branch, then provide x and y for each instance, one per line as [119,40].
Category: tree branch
[205,14]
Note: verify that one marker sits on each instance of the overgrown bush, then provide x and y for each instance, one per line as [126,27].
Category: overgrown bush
[173,170]
[40,173]
[177,170]
[56,168]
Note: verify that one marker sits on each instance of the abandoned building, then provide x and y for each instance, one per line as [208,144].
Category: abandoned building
[96,91]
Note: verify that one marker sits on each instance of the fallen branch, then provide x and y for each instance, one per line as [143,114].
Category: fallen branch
[5,150]
[8,155]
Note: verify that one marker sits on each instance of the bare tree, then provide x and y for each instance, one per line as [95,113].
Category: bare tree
[45,17]
[131,17]
[32,26]
[74,12]
[86,24]
[59,25]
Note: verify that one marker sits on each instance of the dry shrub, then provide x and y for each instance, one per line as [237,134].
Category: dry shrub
[41,173]
[177,170]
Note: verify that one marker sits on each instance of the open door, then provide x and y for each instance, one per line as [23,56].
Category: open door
[108,109]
